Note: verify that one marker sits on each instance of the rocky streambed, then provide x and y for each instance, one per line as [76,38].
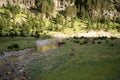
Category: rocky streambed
[13,63]
[13,66]
[13,71]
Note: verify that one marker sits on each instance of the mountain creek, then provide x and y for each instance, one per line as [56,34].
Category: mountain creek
[12,64]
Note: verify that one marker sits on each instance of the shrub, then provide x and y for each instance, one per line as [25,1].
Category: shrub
[1,52]
[13,46]
[14,9]
[118,28]
[118,20]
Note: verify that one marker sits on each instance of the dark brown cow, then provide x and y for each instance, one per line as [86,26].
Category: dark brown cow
[61,43]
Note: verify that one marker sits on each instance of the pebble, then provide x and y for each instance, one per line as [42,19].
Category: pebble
[15,53]
[14,70]
[11,71]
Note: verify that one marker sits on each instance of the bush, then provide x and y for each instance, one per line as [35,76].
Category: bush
[13,46]
[118,20]
[1,52]
[14,9]
[118,28]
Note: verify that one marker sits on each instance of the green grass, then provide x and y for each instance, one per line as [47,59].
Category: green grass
[22,42]
[99,61]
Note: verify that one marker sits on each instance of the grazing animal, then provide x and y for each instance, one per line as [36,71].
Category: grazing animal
[112,38]
[75,37]
[102,38]
[86,41]
[61,43]
[82,37]
[112,45]
[99,42]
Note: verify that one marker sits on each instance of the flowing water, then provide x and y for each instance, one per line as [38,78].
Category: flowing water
[41,47]
[20,58]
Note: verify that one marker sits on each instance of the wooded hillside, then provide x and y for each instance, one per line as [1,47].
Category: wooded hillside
[36,17]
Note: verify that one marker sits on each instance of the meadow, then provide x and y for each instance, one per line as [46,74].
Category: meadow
[16,43]
[79,59]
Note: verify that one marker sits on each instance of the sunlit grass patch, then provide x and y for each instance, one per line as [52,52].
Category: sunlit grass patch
[75,61]
[17,43]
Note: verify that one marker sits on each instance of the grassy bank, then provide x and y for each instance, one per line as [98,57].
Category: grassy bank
[80,59]
[16,43]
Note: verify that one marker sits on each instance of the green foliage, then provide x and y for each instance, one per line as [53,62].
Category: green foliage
[118,28]
[15,31]
[85,7]
[14,22]
[45,6]
[14,9]
[70,11]
[5,25]
[118,20]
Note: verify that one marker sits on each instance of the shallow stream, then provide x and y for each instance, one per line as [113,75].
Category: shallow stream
[18,59]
